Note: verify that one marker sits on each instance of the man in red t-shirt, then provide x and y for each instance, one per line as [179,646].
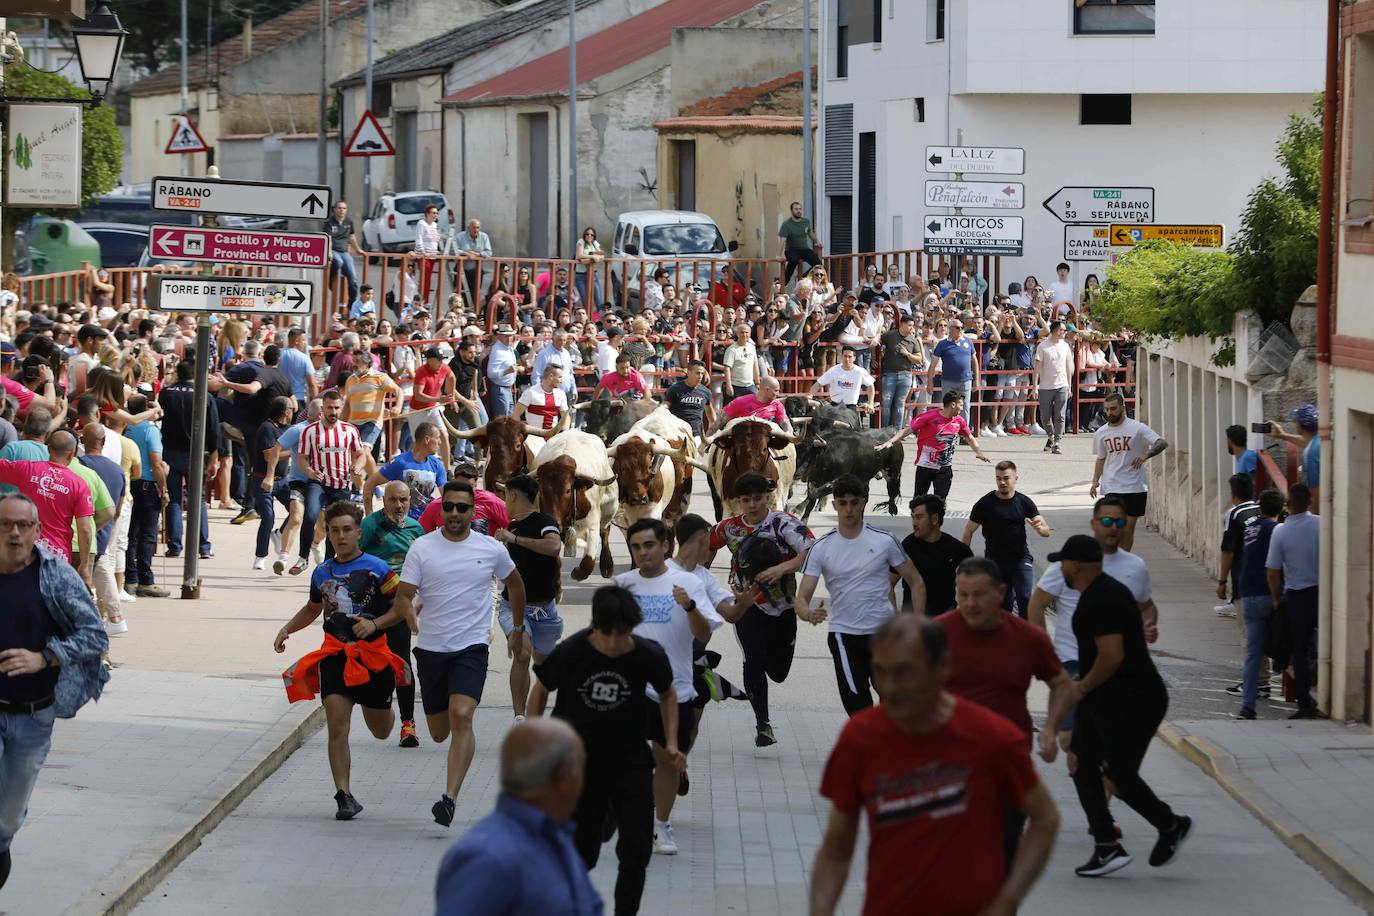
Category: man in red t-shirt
[762,405]
[624,382]
[435,385]
[61,497]
[490,514]
[935,774]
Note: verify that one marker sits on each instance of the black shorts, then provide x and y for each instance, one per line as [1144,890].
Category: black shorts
[440,675]
[375,694]
[1135,503]
[686,723]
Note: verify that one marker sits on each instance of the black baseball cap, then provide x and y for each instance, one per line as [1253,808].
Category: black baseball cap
[1080,548]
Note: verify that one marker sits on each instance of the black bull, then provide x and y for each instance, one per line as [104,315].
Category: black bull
[853,452]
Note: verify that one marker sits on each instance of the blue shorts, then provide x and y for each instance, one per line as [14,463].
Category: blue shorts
[541,622]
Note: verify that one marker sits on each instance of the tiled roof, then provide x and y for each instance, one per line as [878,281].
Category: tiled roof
[442,51]
[606,51]
[781,94]
[726,124]
[303,20]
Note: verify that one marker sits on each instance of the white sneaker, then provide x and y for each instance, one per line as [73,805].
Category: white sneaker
[280,563]
[664,844]
[987,433]
[1035,429]
[998,430]
[316,556]
[1225,610]
[260,563]
[125,596]
[117,629]
[519,719]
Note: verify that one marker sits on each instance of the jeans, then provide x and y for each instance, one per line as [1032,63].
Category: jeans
[964,388]
[542,623]
[769,644]
[138,560]
[24,744]
[580,282]
[1011,391]
[343,262]
[466,421]
[262,503]
[626,793]
[739,392]
[369,431]
[863,357]
[502,401]
[317,496]
[1301,606]
[1255,612]
[895,388]
[178,468]
[1053,402]
[1017,574]
[1118,733]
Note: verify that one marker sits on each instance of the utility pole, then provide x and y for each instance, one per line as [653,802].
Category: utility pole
[572,124]
[367,106]
[185,96]
[321,149]
[195,473]
[808,155]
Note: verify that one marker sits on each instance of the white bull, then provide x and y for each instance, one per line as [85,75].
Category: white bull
[749,444]
[577,487]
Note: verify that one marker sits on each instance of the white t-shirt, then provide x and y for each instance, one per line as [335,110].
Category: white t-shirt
[1055,361]
[454,579]
[845,383]
[741,362]
[1060,292]
[604,358]
[1123,566]
[856,576]
[543,406]
[665,621]
[716,592]
[1118,446]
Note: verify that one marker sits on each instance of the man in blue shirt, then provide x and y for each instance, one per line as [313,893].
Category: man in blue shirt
[149,497]
[488,872]
[294,363]
[1293,567]
[419,469]
[955,354]
[1247,460]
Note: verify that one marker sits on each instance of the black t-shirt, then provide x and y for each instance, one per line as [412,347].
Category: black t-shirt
[1004,524]
[893,361]
[266,437]
[463,374]
[688,403]
[338,233]
[539,572]
[1238,518]
[239,412]
[275,384]
[936,563]
[1106,608]
[602,697]
[27,625]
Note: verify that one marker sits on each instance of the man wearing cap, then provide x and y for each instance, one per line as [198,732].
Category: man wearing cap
[88,341]
[491,514]
[1310,458]
[501,367]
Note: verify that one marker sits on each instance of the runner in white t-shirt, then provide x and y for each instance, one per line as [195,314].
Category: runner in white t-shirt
[1122,447]
[845,381]
[856,561]
[676,610]
[544,404]
[451,570]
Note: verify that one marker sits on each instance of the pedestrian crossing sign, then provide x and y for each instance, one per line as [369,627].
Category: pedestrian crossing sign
[185,138]
[369,139]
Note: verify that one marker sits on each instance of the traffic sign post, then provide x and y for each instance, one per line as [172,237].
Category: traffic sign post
[1087,243]
[241,198]
[976,160]
[960,235]
[241,295]
[1124,235]
[989,195]
[239,246]
[1103,204]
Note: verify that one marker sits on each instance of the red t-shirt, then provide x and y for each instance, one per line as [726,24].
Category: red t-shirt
[936,806]
[22,395]
[747,405]
[431,383]
[994,668]
[936,435]
[59,494]
[618,384]
[489,516]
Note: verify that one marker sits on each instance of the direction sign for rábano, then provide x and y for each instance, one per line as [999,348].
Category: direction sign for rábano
[1103,204]
[241,198]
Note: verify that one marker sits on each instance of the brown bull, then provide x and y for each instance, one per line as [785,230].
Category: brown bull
[581,505]
[746,445]
[509,448]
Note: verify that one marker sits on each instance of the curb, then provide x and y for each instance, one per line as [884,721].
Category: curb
[1348,872]
[122,900]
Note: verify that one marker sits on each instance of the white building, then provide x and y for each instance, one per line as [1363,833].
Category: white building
[1187,98]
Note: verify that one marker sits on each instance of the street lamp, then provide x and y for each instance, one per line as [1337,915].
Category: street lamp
[99,41]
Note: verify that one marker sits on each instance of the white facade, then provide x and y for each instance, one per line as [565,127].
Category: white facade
[1209,91]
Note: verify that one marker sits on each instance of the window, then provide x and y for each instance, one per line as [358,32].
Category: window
[935,20]
[877,21]
[1358,206]
[1104,109]
[381,99]
[841,39]
[919,110]
[1114,17]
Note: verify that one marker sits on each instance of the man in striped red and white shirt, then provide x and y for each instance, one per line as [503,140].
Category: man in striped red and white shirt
[544,403]
[331,455]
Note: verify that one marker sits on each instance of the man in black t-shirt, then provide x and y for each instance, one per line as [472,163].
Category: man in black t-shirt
[1120,705]
[264,441]
[600,675]
[1003,515]
[536,547]
[343,244]
[690,399]
[934,554]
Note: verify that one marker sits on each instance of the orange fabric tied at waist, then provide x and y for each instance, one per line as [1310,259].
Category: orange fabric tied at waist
[364,658]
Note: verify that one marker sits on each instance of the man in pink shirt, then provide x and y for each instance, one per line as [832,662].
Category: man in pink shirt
[61,497]
[762,405]
[937,431]
[623,382]
[490,513]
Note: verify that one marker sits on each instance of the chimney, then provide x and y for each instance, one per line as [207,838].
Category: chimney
[247,38]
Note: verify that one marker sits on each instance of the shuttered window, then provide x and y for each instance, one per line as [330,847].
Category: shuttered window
[839,149]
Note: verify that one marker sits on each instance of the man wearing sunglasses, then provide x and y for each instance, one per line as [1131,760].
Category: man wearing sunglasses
[451,569]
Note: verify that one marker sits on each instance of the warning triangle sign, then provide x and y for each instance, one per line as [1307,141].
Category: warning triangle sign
[369,139]
[185,138]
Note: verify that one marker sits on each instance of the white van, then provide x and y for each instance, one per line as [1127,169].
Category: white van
[677,240]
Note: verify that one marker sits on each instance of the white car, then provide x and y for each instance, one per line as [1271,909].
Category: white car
[391,226]
[646,240]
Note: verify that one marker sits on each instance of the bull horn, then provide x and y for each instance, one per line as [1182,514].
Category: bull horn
[618,403]
[794,438]
[842,424]
[819,443]
[539,431]
[814,402]
[802,421]
[604,483]
[699,464]
[610,451]
[472,433]
[678,445]
[666,450]
[582,405]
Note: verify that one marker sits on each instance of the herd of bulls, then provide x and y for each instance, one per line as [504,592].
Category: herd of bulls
[632,460]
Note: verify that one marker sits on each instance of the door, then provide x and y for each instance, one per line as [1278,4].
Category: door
[841,237]
[537,156]
[685,154]
[868,191]
[406,143]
